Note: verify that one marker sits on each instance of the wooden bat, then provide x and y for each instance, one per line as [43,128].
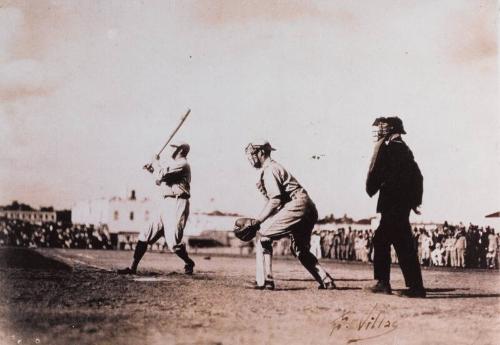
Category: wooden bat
[149,166]
[183,118]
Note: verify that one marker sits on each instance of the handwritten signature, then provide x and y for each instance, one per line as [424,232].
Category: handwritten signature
[373,324]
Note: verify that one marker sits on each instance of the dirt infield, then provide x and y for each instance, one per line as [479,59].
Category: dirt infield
[80,300]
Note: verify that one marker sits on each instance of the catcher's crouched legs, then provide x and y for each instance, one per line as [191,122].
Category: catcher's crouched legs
[267,251]
[310,262]
[180,251]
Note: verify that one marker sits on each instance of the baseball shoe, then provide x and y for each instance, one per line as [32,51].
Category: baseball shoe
[268,285]
[189,267]
[127,270]
[327,284]
[413,293]
[380,287]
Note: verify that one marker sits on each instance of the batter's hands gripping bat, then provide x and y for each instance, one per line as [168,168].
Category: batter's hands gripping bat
[149,166]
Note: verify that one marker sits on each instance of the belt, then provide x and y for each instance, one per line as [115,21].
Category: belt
[182,196]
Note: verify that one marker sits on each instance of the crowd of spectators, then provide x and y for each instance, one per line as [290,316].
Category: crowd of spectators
[446,245]
[19,233]
[458,246]
[343,244]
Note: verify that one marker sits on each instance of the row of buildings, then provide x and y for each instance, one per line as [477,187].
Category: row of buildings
[24,212]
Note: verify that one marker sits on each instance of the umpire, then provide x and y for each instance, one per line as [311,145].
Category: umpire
[395,175]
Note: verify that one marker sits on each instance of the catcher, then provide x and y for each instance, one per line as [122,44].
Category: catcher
[174,183]
[290,212]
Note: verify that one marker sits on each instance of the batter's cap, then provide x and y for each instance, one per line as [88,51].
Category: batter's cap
[181,145]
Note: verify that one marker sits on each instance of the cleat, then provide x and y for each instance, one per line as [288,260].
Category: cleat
[269,285]
[189,267]
[380,287]
[327,284]
[127,270]
[413,293]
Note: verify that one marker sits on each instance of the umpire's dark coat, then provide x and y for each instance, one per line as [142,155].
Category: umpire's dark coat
[396,176]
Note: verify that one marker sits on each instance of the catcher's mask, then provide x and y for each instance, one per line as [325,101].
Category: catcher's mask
[387,126]
[254,148]
[180,148]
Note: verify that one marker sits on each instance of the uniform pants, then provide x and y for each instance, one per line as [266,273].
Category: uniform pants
[170,221]
[460,257]
[426,255]
[336,251]
[395,229]
[296,219]
[447,258]
[343,252]
[453,257]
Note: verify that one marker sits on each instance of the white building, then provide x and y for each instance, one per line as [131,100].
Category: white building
[121,215]
[29,215]
[131,215]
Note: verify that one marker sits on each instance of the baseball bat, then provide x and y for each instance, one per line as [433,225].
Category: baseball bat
[149,166]
[183,118]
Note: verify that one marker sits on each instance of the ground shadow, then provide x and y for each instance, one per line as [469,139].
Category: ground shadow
[201,276]
[29,259]
[277,289]
[152,274]
[351,280]
[335,279]
[444,290]
[291,289]
[436,293]
[463,295]
[296,280]
[347,288]
[434,290]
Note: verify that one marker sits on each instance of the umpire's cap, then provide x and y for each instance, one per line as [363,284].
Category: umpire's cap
[395,122]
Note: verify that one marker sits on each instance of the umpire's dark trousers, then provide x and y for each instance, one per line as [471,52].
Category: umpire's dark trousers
[395,229]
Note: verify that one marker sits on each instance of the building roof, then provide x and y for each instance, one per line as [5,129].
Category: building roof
[493,215]
[15,206]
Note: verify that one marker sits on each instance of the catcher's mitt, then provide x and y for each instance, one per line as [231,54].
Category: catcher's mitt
[246,228]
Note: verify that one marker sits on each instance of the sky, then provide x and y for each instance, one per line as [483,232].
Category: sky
[89,91]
